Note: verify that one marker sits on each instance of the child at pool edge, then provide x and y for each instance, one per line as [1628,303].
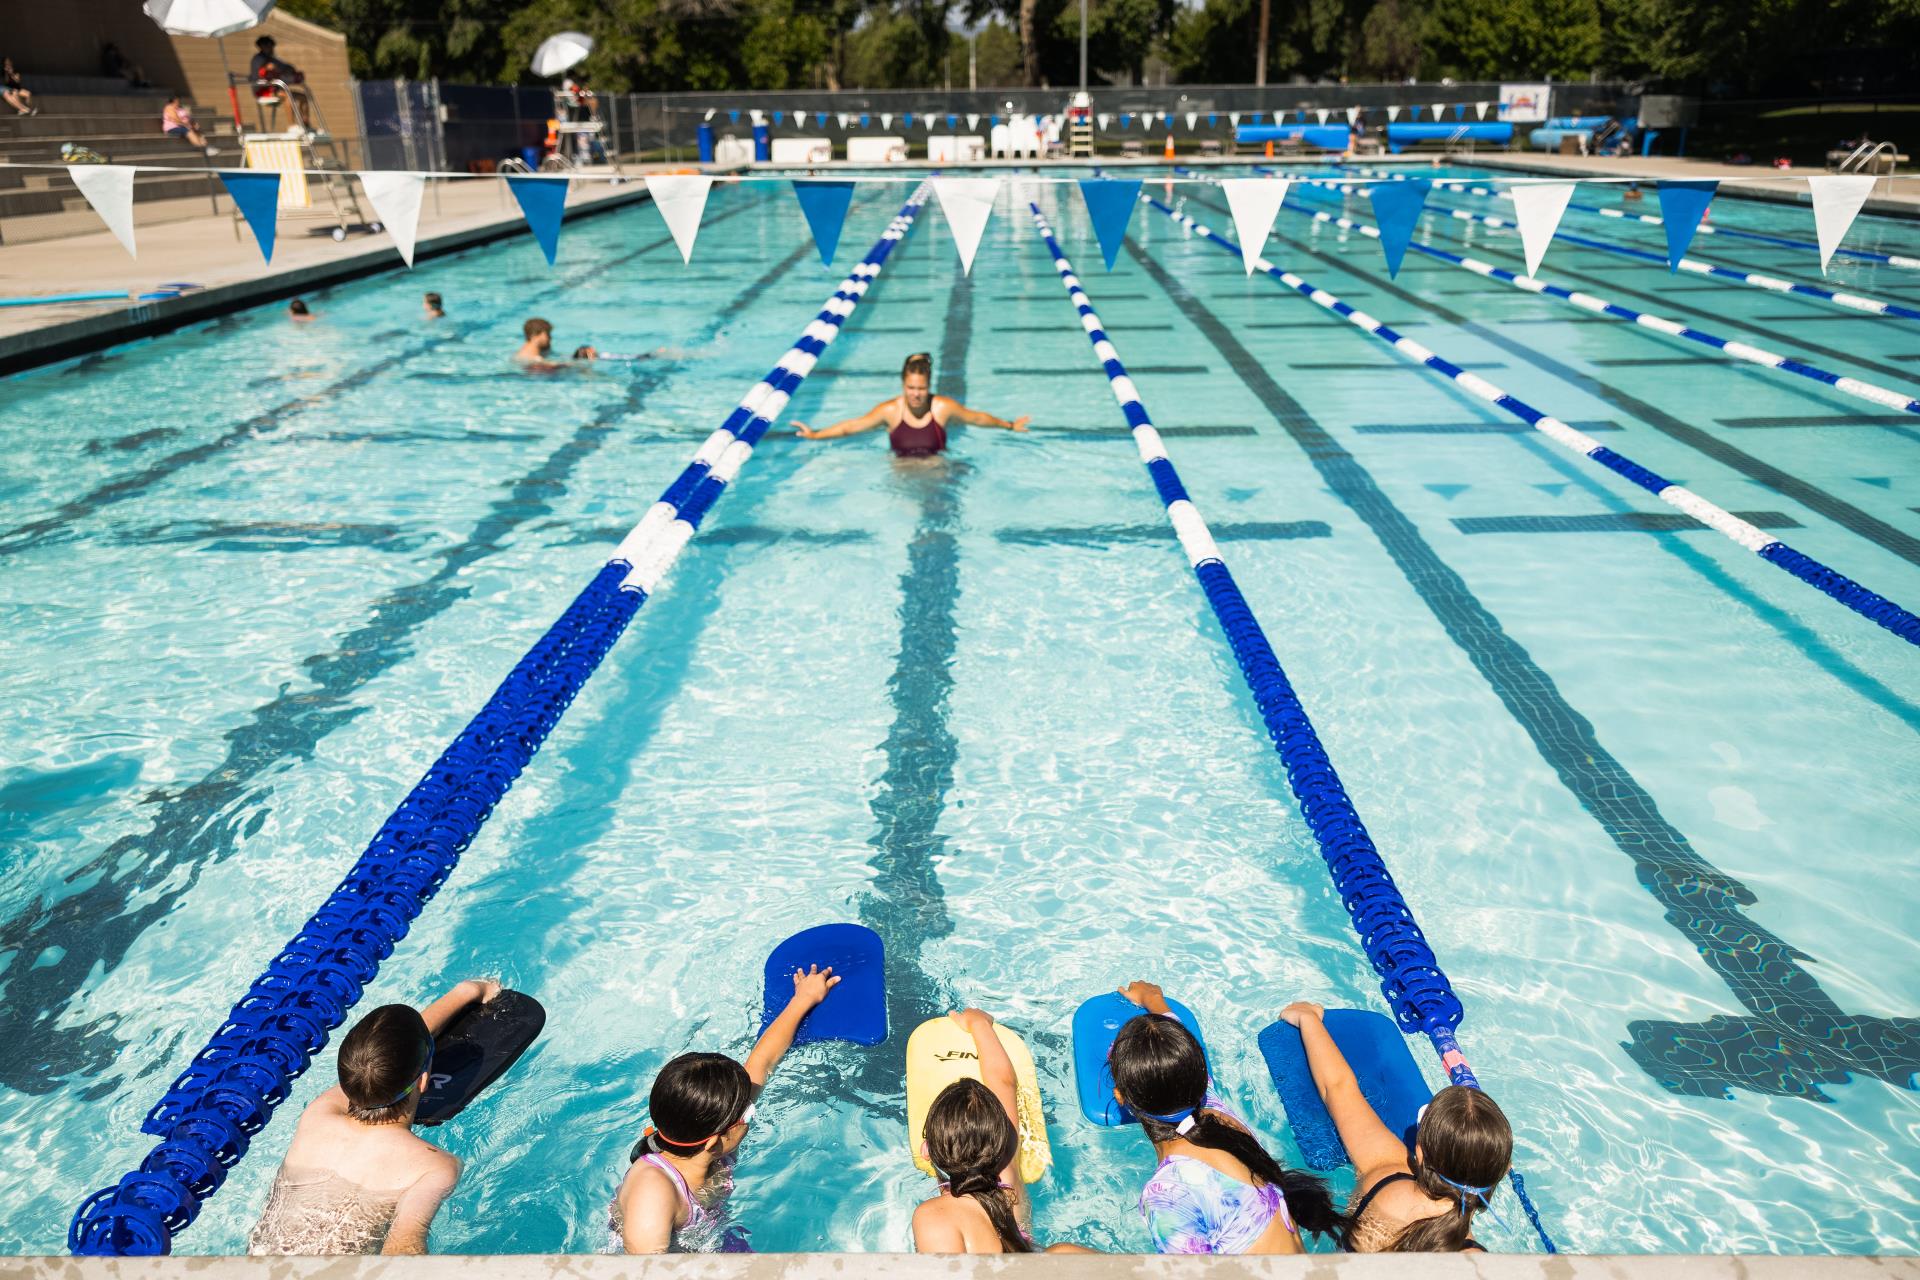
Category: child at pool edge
[356,1178]
[1215,1188]
[707,1099]
[1402,1204]
[972,1136]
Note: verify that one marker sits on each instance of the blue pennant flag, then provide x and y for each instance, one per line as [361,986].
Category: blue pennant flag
[257,197]
[906,120]
[1682,205]
[1459,111]
[1110,203]
[1126,119]
[993,120]
[952,120]
[776,117]
[863,122]
[820,119]
[1213,118]
[825,204]
[1396,207]
[543,201]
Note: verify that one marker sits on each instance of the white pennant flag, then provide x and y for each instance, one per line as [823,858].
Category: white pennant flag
[1537,206]
[1233,118]
[1255,203]
[1438,107]
[1479,111]
[109,189]
[1837,199]
[886,119]
[1393,113]
[681,198]
[968,203]
[1353,116]
[843,119]
[1322,113]
[973,121]
[756,116]
[1193,118]
[396,202]
[1106,118]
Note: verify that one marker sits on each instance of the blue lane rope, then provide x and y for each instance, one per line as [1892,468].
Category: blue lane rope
[1837,586]
[1655,220]
[1411,980]
[1886,397]
[1694,266]
[230,1089]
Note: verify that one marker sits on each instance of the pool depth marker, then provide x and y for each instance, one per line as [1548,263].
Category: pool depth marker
[230,1091]
[1875,608]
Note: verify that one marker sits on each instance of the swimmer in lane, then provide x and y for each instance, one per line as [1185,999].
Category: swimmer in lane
[434,307]
[356,1179]
[916,420]
[537,350]
[299,312]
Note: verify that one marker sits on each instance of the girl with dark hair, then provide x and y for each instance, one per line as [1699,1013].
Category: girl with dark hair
[356,1179]
[972,1136]
[1422,1204]
[1215,1190]
[700,1107]
[916,420]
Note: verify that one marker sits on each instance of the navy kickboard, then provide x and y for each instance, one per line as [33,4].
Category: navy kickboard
[856,1008]
[1376,1050]
[475,1049]
[1095,1024]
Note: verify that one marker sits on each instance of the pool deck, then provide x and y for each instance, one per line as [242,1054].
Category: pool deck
[858,1266]
[1898,198]
[215,253]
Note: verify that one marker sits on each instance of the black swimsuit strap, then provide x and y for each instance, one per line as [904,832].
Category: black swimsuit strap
[1360,1210]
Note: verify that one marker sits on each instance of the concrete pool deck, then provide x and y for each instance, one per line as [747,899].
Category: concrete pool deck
[1897,197]
[858,1266]
[454,215]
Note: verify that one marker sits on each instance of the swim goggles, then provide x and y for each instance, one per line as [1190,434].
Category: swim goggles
[746,1117]
[413,1081]
[1182,1121]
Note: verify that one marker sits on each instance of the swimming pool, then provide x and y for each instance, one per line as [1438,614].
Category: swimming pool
[256,576]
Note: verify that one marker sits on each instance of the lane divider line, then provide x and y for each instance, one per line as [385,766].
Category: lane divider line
[1415,987]
[230,1090]
[1875,608]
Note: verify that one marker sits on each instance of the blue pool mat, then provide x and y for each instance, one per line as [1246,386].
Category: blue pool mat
[1095,1024]
[856,1008]
[1377,1052]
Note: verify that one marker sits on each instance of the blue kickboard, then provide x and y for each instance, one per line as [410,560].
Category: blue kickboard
[1095,1024]
[1376,1050]
[856,1008]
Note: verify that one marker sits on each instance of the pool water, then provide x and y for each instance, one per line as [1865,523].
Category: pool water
[255,576]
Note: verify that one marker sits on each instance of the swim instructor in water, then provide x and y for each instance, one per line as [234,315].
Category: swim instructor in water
[916,420]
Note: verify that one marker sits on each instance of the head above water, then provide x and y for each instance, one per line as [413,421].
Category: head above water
[585,353]
[699,1104]
[298,307]
[538,331]
[916,382]
[971,1141]
[383,1064]
[1461,1151]
[435,306]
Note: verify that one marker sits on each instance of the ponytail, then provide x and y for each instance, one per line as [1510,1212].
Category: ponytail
[1464,1132]
[1161,1071]
[984,1186]
[971,1140]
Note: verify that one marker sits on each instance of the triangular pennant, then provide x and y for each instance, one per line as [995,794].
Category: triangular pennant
[1396,208]
[864,119]
[973,121]
[968,203]
[1321,112]
[1105,118]
[681,197]
[1233,118]
[1110,203]
[1459,111]
[109,189]
[825,204]
[820,120]
[1438,108]
[1255,203]
[257,197]
[543,202]
[777,116]
[1480,111]
[396,202]
[886,120]
[843,119]
[1193,118]
[1537,207]
[952,120]
[1837,199]
[1393,113]
[1126,119]
[756,116]
[1213,118]
[733,116]
[1413,112]
[1353,116]
[1682,205]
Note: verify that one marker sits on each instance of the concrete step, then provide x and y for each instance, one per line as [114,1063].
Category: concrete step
[57,129]
[58,225]
[56,197]
[145,148]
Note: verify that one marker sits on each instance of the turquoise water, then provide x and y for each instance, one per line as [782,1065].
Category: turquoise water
[257,576]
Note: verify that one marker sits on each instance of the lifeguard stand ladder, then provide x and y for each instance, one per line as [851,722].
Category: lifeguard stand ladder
[297,156]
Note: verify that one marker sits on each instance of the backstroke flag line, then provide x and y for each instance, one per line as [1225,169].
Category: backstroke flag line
[1682,205]
[1537,207]
[543,202]
[109,189]
[257,196]
[968,203]
[681,198]
[1396,208]
[825,206]
[396,202]
[1255,203]
[1837,199]
[1110,203]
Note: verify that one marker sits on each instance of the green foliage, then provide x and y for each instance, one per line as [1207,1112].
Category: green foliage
[1511,39]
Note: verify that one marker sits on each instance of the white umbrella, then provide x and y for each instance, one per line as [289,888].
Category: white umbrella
[207,17]
[557,53]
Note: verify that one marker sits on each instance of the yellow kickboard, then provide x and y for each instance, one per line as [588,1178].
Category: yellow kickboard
[941,1051]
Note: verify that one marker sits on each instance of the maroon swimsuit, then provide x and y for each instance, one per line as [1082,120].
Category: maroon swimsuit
[920,439]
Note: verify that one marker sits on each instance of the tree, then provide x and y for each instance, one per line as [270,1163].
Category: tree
[1513,39]
[1120,33]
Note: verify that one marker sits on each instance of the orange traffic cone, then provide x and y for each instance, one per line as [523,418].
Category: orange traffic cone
[1269,148]
[1169,152]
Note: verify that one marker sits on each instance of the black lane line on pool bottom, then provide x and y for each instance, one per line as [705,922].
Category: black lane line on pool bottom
[1798,1038]
[138,879]
[1614,522]
[120,488]
[1811,496]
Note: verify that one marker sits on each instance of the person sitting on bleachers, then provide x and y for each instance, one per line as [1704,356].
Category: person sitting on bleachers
[267,68]
[176,121]
[114,65]
[17,95]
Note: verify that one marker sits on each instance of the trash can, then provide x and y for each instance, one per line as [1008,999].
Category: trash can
[762,144]
[706,143]
[532,156]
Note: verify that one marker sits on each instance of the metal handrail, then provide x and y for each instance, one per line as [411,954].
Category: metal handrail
[1868,153]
